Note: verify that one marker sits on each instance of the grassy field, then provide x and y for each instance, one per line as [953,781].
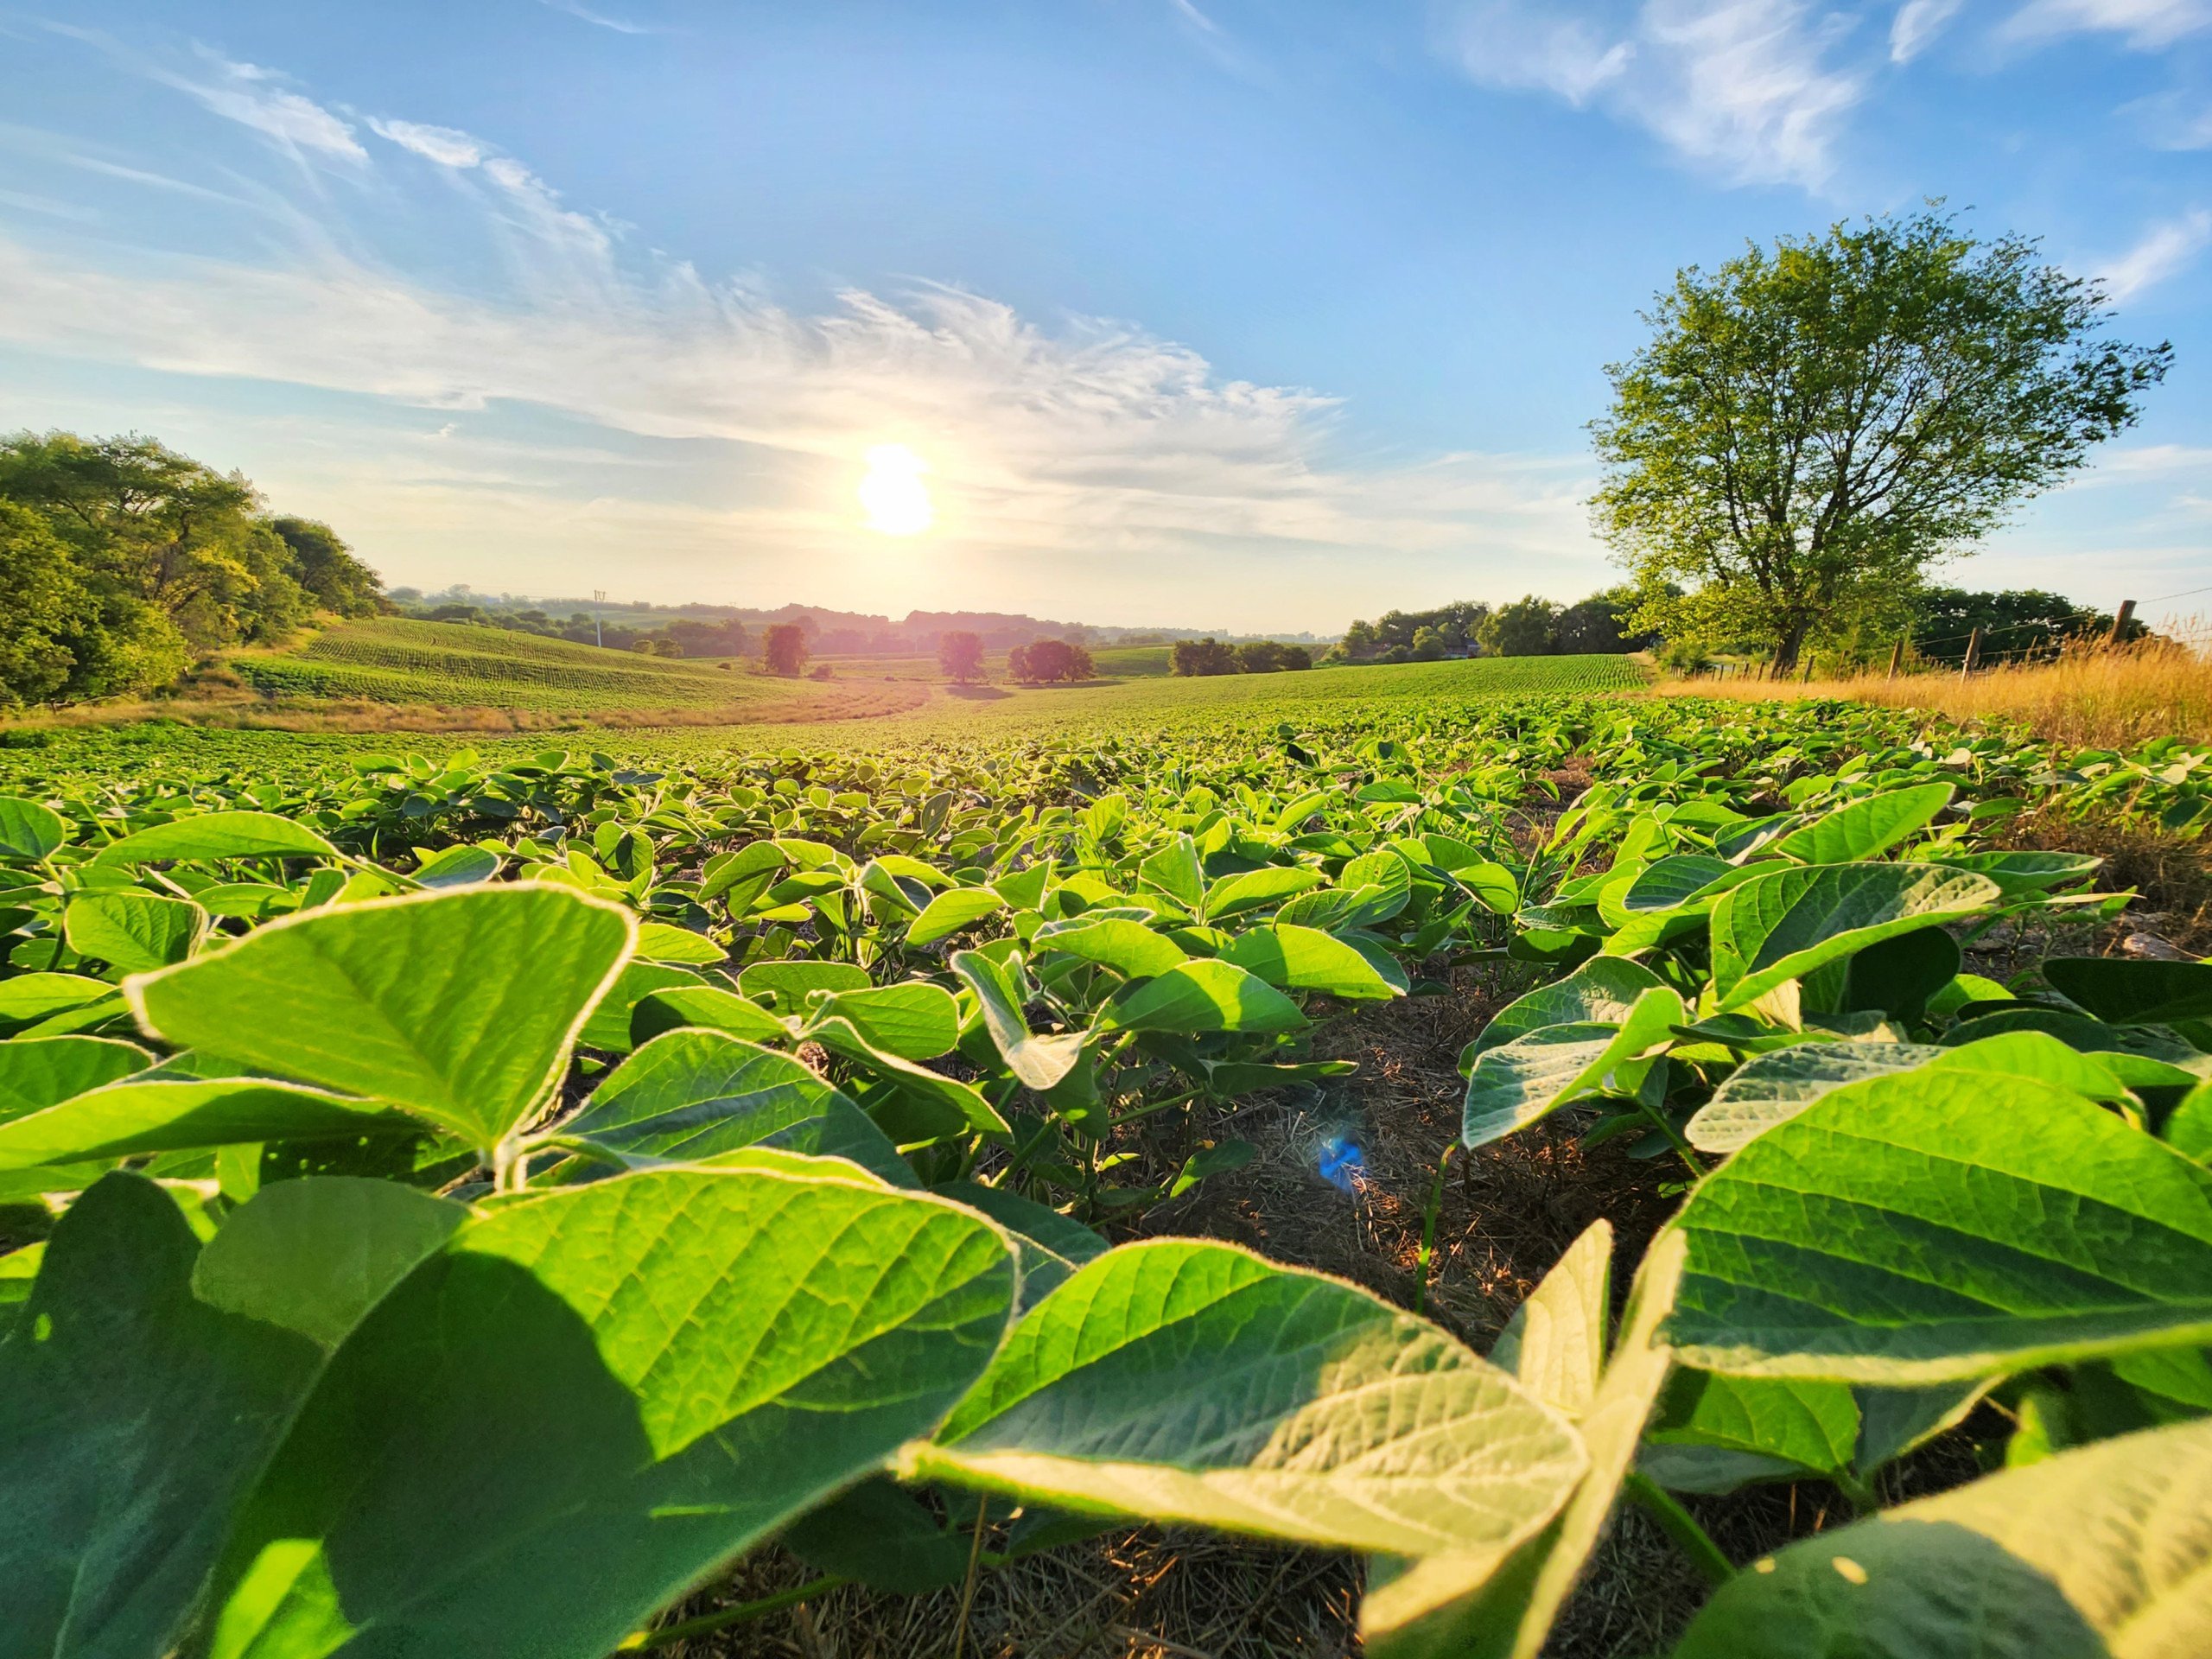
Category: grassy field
[2088,699]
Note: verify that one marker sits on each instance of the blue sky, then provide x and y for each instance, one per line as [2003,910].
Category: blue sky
[1207,312]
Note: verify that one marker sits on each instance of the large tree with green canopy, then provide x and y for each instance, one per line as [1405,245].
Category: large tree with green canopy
[1812,426]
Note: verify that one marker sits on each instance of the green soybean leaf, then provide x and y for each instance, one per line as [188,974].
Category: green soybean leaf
[457,867]
[662,942]
[742,876]
[29,832]
[1899,976]
[30,997]
[784,987]
[883,1536]
[1554,1343]
[1433,1611]
[916,1020]
[1772,1087]
[1296,958]
[1783,926]
[1201,996]
[1129,947]
[1794,1426]
[798,1327]
[1927,1227]
[1051,1246]
[2123,991]
[36,1072]
[1670,882]
[1175,871]
[694,1094]
[610,1025]
[1600,992]
[2189,1127]
[2019,873]
[135,931]
[314,1255]
[1216,1160]
[1853,834]
[2139,1056]
[129,1118]
[703,1005]
[1039,1062]
[1514,1085]
[1232,895]
[207,836]
[459,1006]
[133,1416]
[939,1104]
[2096,1553]
[1189,1380]
[952,911]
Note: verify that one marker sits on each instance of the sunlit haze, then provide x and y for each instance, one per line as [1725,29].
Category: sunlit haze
[893,494]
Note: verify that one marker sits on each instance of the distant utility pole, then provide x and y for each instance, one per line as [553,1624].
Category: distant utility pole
[598,632]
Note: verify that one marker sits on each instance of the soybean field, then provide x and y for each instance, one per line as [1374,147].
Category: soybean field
[687,1188]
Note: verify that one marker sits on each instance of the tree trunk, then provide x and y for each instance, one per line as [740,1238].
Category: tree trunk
[1787,644]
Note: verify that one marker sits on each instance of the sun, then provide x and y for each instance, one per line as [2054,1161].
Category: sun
[896,501]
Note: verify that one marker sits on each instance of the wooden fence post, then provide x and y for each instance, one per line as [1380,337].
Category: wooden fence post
[1806,679]
[1896,657]
[1973,655]
[2119,622]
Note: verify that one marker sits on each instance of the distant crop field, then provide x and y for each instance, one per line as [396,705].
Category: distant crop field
[399,660]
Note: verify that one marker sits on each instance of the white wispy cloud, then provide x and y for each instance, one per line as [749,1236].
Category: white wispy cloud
[2146,25]
[600,19]
[2171,120]
[448,146]
[1916,24]
[1745,87]
[2166,251]
[254,97]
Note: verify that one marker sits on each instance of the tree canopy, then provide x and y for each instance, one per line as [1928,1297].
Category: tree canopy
[122,558]
[1811,427]
[960,654]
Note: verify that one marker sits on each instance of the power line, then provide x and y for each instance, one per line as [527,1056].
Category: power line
[2185,594]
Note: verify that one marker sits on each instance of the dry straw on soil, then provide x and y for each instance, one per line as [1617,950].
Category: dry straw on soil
[2087,698]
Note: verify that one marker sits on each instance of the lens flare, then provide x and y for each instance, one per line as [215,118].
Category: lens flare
[893,494]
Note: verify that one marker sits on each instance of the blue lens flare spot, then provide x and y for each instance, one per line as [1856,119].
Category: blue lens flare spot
[1341,1164]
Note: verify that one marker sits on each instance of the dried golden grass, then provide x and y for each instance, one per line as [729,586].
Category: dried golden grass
[2087,698]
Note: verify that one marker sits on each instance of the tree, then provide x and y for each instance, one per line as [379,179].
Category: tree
[1268,657]
[2027,621]
[1207,655]
[326,566]
[1049,662]
[1428,643]
[61,638]
[1521,629]
[1599,625]
[1810,428]
[960,654]
[783,650]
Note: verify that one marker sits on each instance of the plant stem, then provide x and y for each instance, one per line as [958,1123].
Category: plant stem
[1658,1115]
[1428,1230]
[669,1635]
[1680,1525]
[968,1589]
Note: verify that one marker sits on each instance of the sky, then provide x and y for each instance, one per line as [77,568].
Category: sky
[1200,312]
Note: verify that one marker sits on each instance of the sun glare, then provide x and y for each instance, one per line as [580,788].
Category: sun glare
[896,501]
